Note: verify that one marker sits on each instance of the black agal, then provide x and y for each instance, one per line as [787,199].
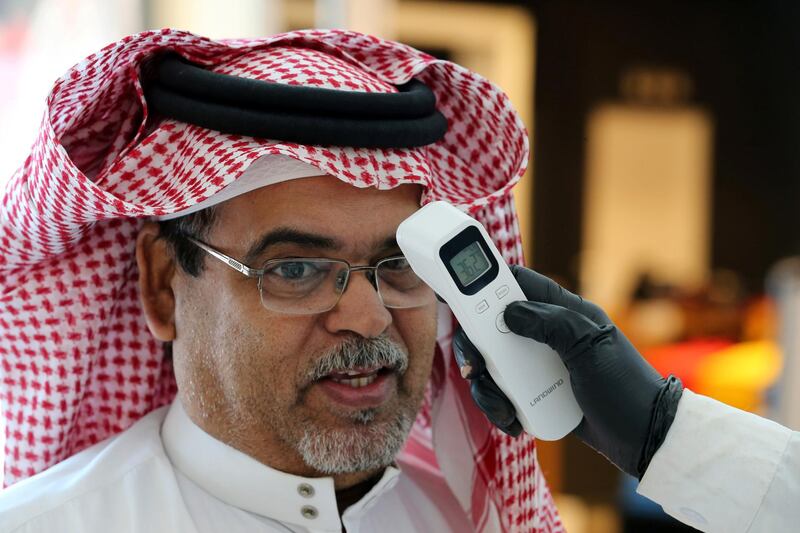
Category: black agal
[292,113]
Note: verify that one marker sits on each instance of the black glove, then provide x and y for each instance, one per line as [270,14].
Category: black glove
[628,407]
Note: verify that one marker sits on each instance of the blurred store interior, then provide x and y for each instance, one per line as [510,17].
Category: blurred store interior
[664,179]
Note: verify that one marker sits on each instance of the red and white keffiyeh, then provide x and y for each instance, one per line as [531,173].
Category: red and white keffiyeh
[77,363]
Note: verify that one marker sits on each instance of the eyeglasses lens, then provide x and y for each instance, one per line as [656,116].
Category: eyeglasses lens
[303,287]
[400,287]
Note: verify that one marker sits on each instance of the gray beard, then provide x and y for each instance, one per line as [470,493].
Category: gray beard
[361,448]
[366,444]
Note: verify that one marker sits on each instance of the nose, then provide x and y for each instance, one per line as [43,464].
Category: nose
[360,310]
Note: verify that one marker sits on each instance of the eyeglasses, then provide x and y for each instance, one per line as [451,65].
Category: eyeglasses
[307,286]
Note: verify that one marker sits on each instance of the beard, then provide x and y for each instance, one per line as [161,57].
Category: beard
[344,451]
[365,443]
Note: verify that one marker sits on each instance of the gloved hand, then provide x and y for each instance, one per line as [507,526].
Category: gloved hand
[628,407]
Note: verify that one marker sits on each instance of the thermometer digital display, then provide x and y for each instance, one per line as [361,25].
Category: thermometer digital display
[470,263]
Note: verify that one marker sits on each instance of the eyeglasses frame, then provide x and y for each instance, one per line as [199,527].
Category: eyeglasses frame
[258,273]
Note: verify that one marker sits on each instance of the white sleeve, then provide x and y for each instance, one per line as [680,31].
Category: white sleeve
[723,469]
[780,510]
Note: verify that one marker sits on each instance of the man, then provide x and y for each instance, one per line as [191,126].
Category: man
[218,228]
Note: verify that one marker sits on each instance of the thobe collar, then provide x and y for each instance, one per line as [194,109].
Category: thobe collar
[239,480]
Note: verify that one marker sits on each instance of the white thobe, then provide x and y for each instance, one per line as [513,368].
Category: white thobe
[165,474]
[725,470]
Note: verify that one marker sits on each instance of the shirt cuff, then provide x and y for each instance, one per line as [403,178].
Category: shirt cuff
[715,465]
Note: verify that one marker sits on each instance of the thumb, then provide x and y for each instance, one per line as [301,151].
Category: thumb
[568,332]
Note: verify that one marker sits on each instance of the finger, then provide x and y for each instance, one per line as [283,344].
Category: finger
[567,332]
[491,400]
[468,358]
[514,430]
[540,288]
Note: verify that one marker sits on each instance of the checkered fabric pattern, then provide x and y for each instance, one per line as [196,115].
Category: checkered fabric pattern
[77,363]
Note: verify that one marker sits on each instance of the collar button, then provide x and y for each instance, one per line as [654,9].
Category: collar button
[309,511]
[305,490]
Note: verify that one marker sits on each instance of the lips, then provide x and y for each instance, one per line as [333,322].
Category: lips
[359,388]
[356,378]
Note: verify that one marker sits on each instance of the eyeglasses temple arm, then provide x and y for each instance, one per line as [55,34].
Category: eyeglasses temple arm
[230,261]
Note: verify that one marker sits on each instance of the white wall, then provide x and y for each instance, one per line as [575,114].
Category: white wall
[647,203]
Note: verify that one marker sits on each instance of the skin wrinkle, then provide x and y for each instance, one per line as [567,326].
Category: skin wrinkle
[241,368]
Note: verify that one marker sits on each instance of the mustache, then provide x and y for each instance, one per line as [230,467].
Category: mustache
[359,352]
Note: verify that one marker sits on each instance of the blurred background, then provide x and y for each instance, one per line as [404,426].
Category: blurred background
[664,180]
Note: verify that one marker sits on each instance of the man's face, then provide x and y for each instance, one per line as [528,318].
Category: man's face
[247,374]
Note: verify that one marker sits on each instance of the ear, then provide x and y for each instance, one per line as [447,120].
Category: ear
[156,270]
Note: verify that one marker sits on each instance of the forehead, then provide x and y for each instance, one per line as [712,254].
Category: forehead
[322,205]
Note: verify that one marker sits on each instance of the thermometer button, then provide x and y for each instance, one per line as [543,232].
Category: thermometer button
[482,306]
[500,322]
[501,291]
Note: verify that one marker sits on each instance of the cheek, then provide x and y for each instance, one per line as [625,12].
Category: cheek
[417,328]
[236,352]
[266,353]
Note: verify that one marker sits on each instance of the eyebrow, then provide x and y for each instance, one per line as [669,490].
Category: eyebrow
[287,235]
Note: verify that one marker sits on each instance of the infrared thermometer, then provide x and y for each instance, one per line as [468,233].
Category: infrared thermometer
[453,254]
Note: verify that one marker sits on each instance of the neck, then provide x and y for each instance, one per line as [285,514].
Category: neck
[348,496]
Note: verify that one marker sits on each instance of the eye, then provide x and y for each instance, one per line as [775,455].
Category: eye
[396,264]
[295,270]
[396,274]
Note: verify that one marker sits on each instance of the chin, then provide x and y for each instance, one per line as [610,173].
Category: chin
[366,445]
